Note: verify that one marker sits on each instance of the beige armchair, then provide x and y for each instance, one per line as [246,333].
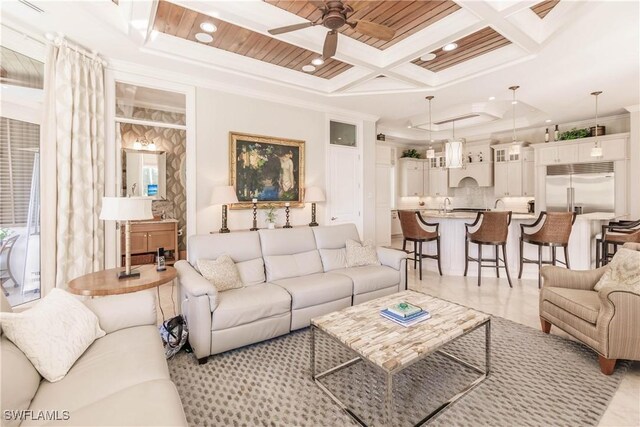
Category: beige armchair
[608,321]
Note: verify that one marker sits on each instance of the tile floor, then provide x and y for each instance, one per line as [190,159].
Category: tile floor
[519,304]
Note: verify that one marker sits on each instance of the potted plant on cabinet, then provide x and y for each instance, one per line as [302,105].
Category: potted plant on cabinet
[270,216]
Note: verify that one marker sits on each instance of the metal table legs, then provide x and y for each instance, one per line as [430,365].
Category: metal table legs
[388,395]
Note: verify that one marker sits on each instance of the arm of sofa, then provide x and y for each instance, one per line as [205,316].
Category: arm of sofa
[117,312]
[560,277]
[397,260]
[619,320]
[201,298]
[391,257]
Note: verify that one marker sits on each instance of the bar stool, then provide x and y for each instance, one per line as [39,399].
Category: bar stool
[614,234]
[413,232]
[493,231]
[554,233]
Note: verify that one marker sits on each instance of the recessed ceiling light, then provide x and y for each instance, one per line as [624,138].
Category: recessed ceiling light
[308,68]
[409,126]
[491,98]
[204,38]
[209,27]
[428,57]
[548,121]
[317,61]
[514,102]
[449,47]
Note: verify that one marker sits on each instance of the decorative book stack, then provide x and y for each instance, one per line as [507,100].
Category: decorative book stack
[405,314]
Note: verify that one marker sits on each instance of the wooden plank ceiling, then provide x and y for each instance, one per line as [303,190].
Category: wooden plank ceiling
[185,23]
[405,17]
[469,47]
[543,8]
[20,70]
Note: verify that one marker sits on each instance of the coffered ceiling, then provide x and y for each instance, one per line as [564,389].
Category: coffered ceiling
[488,34]
[404,17]
[545,47]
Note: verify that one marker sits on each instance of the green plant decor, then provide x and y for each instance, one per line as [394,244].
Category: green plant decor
[271,215]
[4,232]
[411,153]
[575,134]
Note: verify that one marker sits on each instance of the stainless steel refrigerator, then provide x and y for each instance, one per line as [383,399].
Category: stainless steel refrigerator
[590,186]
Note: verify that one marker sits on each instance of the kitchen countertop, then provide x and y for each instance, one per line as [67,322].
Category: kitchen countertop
[594,216]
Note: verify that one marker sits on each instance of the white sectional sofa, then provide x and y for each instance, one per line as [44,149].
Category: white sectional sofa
[290,276]
[122,379]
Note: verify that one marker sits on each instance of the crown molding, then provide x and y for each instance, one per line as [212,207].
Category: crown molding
[129,67]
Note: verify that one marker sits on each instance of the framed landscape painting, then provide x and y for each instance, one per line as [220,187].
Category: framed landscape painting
[266,168]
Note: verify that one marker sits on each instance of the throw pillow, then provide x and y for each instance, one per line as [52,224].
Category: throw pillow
[222,272]
[54,333]
[359,254]
[624,270]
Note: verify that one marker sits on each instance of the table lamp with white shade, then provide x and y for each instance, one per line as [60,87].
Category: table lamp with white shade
[126,209]
[313,195]
[224,195]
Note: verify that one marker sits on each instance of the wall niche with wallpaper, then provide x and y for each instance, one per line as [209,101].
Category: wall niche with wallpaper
[152,136]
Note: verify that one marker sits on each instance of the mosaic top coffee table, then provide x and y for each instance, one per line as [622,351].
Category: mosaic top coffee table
[390,348]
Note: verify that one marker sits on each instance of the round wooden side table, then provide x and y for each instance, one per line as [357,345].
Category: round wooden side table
[106,282]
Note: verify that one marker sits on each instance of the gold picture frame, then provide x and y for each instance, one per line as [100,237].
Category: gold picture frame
[267,168]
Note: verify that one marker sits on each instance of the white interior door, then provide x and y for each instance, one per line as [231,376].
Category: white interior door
[345,186]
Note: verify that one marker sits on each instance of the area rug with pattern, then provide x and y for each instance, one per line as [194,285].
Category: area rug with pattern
[535,380]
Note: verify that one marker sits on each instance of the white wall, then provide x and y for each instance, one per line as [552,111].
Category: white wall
[218,113]
[634,163]
[369,182]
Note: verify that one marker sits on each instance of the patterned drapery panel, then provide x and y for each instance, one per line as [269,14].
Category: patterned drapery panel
[74,86]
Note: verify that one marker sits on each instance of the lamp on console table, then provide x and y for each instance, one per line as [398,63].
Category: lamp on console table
[313,195]
[224,195]
[126,209]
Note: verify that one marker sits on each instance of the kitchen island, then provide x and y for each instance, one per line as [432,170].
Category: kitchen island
[452,238]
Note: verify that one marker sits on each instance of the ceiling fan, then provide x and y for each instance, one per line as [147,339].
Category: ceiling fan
[335,14]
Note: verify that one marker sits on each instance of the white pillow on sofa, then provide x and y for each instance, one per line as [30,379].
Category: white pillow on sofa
[54,333]
[222,272]
[360,254]
[624,269]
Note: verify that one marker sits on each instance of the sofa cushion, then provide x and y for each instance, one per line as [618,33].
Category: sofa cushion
[361,254]
[287,241]
[251,271]
[150,403]
[222,272]
[240,246]
[19,380]
[54,333]
[316,289]
[333,259]
[580,303]
[370,278]
[285,266]
[240,306]
[335,236]
[111,364]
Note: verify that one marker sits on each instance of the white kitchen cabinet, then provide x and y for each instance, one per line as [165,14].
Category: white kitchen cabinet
[558,155]
[528,178]
[615,149]
[411,178]
[509,171]
[438,182]
[396,228]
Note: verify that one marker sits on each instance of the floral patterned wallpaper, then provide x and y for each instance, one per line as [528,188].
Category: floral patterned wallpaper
[173,142]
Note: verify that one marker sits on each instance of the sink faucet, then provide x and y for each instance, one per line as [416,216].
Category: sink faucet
[446,200]
[495,205]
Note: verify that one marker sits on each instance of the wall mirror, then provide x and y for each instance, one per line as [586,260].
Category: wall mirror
[145,173]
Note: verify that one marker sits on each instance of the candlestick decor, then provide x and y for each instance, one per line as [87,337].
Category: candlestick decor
[286,211]
[255,214]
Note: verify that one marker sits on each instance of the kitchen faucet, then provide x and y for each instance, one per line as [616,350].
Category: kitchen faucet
[133,189]
[446,199]
[495,205]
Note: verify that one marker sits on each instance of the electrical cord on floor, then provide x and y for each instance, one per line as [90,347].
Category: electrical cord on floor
[160,304]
